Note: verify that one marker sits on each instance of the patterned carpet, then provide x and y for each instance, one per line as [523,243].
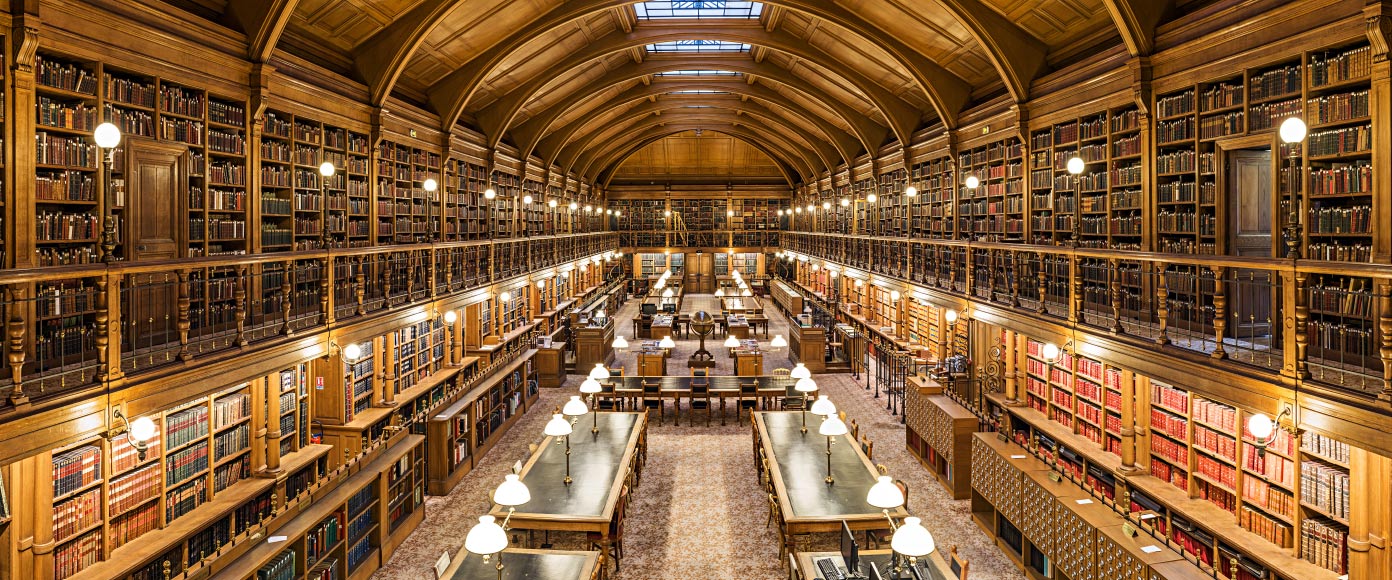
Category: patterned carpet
[698,511]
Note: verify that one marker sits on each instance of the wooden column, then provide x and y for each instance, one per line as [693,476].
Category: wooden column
[260,409]
[1012,380]
[385,355]
[1142,423]
[1371,523]
[273,434]
[1128,421]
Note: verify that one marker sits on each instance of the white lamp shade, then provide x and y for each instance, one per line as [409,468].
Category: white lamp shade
[661,283]
[833,426]
[719,292]
[823,406]
[778,342]
[430,184]
[667,293]
[1050,352]
[590,386]
[911,191]
[326,169]
[575,407]
[1075,165]
[950,316]
[599,373]
[973,182]
[746,292]
[667,342]
[142,429]
[107,135]
[805,386]
[512,492]
[352,352]
[800,371]
[620,342]
[1292,130]
[912,539]
[451,316]
[1259,425]
[486,538]
[884,494]
[731,342]
[557,426]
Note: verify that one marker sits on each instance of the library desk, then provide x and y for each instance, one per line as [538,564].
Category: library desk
[807,345]
[630,388]
[798,464]
[593,344]
[738,328]
[550,364]
[662,327]
[600,465]
[525,563]
[805,564]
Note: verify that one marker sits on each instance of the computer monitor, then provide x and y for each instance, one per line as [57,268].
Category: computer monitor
[649,308]
[875,572]
[850,551]
[669,308]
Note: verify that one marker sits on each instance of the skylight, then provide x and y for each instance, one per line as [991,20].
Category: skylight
[698,46]
[698,73]
[698,9]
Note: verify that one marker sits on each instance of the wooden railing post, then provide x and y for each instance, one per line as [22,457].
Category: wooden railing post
[1385,334]
[326,299]
[1075,289]
[1016,266]
[183,323]
[14,339]
[1162,304]
[1043,275]
[239,295]
[1115,267]
[360,285]
[1128,422]
[108,338]
[1220,312]
[1302,321]
[286,298]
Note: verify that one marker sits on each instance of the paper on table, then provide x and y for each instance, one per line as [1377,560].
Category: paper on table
[1084,501]
[275,539]
[1150,549]
[1018,456]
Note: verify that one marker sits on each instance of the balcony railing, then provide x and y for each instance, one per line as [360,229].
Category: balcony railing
[72,327]
[1329,322]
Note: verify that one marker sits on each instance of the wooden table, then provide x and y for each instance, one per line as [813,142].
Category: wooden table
[738,328]
[798,465]
[662,326]
[722,388]
[600,465]
[525,563]
[805,565]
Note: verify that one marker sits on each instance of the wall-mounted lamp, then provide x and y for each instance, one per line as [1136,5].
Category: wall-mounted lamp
[1265,429]
[138,432]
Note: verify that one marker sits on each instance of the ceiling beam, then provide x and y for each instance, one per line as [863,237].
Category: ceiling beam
[495,119]
[655,134]
[381,58]
[641,136]
[585,157]
[1137,20]
[536,134]
[1017,56]
[263,21]
[845,143]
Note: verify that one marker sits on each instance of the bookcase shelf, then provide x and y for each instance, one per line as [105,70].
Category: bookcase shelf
[478,414]
[995,210]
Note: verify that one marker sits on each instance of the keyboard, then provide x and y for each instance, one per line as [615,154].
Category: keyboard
[829,571]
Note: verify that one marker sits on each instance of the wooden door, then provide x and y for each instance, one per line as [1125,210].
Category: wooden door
[156,176]
[1250,233]
[700,274]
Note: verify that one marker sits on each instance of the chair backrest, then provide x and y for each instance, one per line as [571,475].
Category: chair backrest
[652,388]
[606,387]
[781,372]
[616,371]
[904,489]
[868,447]
[749,388]
[957,563]
[854,429]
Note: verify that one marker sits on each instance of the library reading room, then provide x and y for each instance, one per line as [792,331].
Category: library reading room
[621,290]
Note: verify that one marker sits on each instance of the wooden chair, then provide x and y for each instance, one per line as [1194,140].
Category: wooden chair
[700,394]
[958,565]
[782,373]
[868,447]
[748,398]
[606,400]
[616,530]
[652,399]
[854,429]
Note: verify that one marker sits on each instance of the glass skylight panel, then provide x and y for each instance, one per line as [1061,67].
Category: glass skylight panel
[698,73]
[698,9]
[689,46]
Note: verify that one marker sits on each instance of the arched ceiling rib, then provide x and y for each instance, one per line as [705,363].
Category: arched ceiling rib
[495,119]
[263,21]
[652,134]
[619,135]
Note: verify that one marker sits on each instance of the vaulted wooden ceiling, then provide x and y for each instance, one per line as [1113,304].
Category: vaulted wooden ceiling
[572,81]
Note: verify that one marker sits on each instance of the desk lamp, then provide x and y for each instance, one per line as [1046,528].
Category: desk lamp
[558,426]
[778,343]
[487,539]
[886,496]
[511,493]
[620,343]
[591,387]
[912,540]
[732,343]
[800,371]
[667,343]
[599,373]
[833,426]
[720,292]
[805,386]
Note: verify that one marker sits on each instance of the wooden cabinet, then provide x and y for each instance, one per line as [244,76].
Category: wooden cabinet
[807,345]
[938,432]
[477,415]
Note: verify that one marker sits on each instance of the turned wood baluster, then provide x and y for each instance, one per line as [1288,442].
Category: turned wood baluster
[1016,265]
[1115,266]
[991,275]
[1043,275]
[1162,304]
[951,270]
[360,284]
[412,264]
[326,305]
[1302,320]
[14,332]
[239,295]
[386,264]
[1385,333]
[183,323]
[103,338]
[286,298]
[1075,277]
[1220,312]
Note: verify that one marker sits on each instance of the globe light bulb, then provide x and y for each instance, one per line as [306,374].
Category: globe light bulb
[1050,352]
[973,182]
[1075,165]
[352,352]
[489,193]
[527,199]
[451,316]
[1260,426]
[430,184]
[911,191]
[142,430]
[872,198]
[107,135]
[326,169]
[1292,130]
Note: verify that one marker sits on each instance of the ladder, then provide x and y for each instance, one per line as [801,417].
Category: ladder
[679,228]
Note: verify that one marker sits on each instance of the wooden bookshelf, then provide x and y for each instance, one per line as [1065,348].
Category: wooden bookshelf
[485,408]
[995,210]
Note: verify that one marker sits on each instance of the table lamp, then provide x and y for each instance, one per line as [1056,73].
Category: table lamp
[805,386]
[833,426]
[912,540]
[823,406]
[592,387]
[719,292]
[599,373]
[511,493]
[886,496]
[778,343]
[620,343]
[574,407]
[558,426]
[667,343]
[800,372]
[487,539]
[732,343]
